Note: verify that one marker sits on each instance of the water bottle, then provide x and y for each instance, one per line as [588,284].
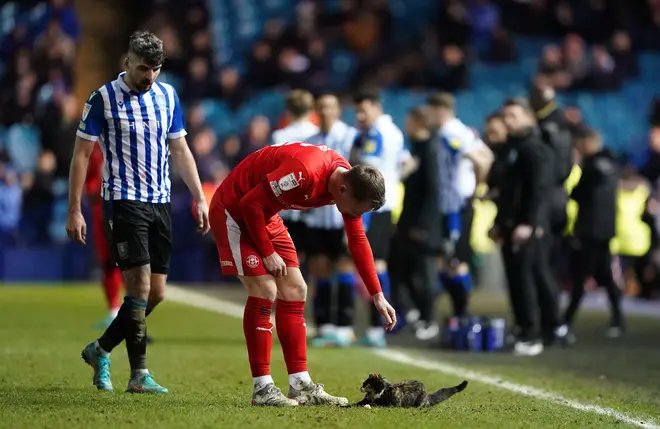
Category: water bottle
[450,332]
[460,338]
[499,331]
[475,335]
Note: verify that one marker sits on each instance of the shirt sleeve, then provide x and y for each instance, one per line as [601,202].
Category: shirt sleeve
[361,252]
[178,127]
[290,183]
[93,118]
[283,187]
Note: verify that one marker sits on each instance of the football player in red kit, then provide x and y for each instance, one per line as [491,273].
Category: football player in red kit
[111,275]
[254,245]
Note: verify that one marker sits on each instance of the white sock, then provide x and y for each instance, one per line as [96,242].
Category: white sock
[99,349]
[299,379]
[139,372]
[375,333]
[345,333]
[114,312]
[262,381]
[327,329]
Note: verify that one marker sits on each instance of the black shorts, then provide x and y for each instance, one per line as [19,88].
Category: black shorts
[139,234]
[326,242]
[297,230]
[463,250]
[379,233]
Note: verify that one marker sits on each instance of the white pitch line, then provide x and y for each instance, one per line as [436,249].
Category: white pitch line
[216,305]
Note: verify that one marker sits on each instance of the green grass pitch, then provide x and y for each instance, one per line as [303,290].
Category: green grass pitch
[200,356]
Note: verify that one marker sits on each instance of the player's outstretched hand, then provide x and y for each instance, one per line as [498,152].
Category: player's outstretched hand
[385,310]
[76,228]
[275,265]
[202,217]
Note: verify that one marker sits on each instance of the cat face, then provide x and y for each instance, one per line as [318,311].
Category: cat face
[373,385]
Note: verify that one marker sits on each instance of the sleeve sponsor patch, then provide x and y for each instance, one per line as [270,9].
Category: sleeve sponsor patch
[276,188]
[288,182]
[82,126]
[86,108]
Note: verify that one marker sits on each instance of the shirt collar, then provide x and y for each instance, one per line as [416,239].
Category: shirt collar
[126,88]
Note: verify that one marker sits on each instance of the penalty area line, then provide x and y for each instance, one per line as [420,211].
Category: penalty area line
[219,306]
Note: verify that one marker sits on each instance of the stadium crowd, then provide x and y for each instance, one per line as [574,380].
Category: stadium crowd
[595,48]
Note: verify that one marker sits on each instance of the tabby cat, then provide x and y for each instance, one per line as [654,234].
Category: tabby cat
[406,394]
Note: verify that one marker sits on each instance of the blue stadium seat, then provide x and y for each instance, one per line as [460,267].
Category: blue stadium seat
[23,146]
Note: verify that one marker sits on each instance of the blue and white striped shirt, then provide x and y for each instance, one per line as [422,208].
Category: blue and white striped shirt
[340,139]
[458,180]
[382,146]
[133,132]
[298,131]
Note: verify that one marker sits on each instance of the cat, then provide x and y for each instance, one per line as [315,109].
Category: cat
[406,394]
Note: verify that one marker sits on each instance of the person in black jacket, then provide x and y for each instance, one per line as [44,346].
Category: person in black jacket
[595,226]
[522,226]
[496,137]
[412,252]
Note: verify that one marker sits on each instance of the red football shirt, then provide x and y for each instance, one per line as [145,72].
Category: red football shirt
[291,176]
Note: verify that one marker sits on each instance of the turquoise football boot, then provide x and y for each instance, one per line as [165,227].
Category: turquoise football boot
[101,366]
[144,383]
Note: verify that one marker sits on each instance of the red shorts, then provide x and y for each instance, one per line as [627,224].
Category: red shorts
[100,239]
[238,254]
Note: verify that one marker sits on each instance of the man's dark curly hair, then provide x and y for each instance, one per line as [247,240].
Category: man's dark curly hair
[148,47]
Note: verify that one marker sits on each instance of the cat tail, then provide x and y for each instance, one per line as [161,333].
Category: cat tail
[446,393]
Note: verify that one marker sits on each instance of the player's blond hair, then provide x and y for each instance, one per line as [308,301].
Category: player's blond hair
[299,102]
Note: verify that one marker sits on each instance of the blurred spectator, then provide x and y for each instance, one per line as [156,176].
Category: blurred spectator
[231,151]
[38,198]
[197,85]
[58,128]
[176,60]
[485,19]
[10,203]
[551,67]
[564,19]
[626,64]
[576,62]
[206,155]
[196,120]
[502,49]
[454,27]
[573,118]
[230,88]
[257,136]
[453,73]
[603,75]
[261,65]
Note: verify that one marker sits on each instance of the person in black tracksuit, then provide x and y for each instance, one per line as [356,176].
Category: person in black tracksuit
[412,259]
[557,134]
[595,226]
[522,226]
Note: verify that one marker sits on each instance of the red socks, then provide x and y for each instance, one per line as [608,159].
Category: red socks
[112,285]
[292,333]
[258,334]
